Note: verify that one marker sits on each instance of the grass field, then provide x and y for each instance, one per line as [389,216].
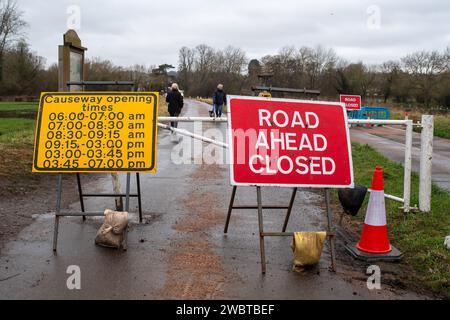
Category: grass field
[420,236]
[16,131]
[441,122]
[18,106]
[162,108]
[442,126]
[210,101]
[16,149]
[205,100]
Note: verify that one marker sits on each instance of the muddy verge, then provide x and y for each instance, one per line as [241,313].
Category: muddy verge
[23,194]
[396,277]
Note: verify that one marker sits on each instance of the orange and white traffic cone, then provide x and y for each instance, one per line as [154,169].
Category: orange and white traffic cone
[374,237]
[374,242]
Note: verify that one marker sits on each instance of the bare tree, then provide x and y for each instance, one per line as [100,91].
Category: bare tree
[11,26]
[423,75]
[283,66]
[205,63]
[205,59]
[140,74]
[186,58]
[425,69]
[390,73]
[320,60]
[234,60]
[287,63]
[49,79]
[23,68]
[446,57]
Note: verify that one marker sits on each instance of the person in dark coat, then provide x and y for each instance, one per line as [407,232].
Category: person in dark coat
[175,103]
[219,100]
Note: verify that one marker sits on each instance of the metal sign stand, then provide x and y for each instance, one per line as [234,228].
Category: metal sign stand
[115,195]
[82,195]
[83,214]
[263,234]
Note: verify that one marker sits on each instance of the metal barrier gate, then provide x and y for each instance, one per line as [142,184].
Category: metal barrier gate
[425,157]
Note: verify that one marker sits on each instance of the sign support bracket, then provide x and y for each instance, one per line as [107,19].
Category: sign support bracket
[59,213]
[99,195]
[262,233]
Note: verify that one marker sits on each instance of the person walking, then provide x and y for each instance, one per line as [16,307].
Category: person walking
[219,100]
[175,103]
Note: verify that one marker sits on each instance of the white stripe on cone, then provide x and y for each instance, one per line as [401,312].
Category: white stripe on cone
[376,211]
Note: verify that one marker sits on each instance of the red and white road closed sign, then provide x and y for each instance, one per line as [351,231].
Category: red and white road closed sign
[351,102]
[280,142]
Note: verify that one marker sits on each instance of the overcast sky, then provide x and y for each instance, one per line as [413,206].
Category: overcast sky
[151,32]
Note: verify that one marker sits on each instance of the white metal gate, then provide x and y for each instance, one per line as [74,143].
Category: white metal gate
[426,153]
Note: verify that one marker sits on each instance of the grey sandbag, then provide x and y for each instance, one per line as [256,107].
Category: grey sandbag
[111,232]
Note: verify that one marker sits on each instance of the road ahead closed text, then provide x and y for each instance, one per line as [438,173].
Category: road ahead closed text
[96,132]
[288,142]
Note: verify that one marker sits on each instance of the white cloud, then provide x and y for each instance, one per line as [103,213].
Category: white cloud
[151,32]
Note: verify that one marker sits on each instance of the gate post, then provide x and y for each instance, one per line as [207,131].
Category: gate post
[426,159]
[407,174]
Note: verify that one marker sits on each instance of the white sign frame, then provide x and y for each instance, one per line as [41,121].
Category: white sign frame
[231,144]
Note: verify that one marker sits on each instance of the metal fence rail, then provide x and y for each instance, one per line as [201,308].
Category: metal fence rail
[425,159]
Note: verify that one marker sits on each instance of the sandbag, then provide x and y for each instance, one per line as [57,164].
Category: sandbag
[307,248]
[111,233]
[352,199]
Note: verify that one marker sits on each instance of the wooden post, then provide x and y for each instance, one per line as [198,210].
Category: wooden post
[116,188]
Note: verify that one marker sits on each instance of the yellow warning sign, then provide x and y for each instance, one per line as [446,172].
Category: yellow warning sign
[265,94]
[96,132]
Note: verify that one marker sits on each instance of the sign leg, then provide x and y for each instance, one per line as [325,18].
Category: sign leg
[127,199]
[138,182]
[288,214]
[330,230]
[261,231]
[230,209]
[127,209]
[80,194]
[58,210]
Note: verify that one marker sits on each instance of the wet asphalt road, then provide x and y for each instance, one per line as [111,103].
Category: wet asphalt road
[390,141]
[180,252]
